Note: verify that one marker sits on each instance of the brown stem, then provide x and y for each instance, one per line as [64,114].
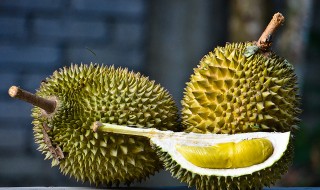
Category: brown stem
[96,126]
[48,105]
[56,152]
[264,42]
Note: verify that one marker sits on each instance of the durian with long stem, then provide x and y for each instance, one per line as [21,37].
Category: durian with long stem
[72,98]
[242,88]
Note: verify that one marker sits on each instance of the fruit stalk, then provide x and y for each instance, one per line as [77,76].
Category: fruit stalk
[265,42]
[128,130]
[121,129]
[47,105]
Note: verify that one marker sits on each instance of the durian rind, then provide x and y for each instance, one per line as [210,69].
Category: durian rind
[279,142]
[88,93]
[256,180]
[230,93]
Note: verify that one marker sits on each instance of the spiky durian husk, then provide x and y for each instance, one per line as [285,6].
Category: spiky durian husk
[256,180]
[231,93]
[99,93]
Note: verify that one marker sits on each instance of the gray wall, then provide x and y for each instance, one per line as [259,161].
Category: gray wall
[181,33]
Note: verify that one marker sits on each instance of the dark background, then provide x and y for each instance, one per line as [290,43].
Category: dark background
[164,39]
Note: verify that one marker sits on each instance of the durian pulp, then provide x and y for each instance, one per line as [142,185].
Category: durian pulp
[228,155]
[167,141]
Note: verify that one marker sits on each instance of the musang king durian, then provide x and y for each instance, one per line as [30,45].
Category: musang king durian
[241,88]
[69,101]
[239,116]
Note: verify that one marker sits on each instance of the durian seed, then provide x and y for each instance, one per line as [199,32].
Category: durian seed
[48,106]
[228,155]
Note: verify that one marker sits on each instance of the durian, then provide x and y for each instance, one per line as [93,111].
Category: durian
[82,94]
[230,93]
[240,88]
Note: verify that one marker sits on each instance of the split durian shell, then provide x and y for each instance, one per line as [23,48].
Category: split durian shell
[172,146]
[87,93]
[237,90]
[252,177]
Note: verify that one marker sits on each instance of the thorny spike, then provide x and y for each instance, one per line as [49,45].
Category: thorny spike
[48,106]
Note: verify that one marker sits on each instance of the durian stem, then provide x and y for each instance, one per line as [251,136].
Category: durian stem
[126,130]
[265,42]
[47,105]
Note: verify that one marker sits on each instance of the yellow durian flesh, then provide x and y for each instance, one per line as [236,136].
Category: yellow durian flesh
[228,155]
[251,177]
[279,143]
[252,151]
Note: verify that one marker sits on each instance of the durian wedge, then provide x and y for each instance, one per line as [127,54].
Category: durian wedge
[215,161]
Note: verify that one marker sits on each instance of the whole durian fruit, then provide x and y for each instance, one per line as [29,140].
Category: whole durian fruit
[230,93]
[72,98]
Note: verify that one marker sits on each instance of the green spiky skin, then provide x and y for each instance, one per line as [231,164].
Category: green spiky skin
[256,180]
[232,93]
[89,93]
